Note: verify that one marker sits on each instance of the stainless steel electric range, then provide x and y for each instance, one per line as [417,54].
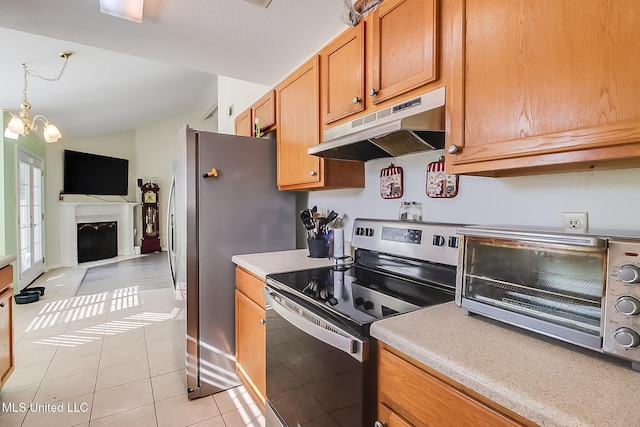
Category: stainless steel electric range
[320,359]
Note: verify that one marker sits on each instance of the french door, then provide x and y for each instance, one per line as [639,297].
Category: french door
[30,217]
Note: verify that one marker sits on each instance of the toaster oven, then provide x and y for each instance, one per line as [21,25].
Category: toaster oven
[579,288]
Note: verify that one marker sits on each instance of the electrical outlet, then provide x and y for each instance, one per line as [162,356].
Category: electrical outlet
[576,221]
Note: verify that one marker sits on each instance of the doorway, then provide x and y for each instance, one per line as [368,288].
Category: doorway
[30,217]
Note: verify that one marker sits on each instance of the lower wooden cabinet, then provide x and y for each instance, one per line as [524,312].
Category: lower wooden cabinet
[7,361]
[411,394]
[251,335]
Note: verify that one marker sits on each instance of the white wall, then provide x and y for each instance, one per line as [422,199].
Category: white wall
[239,95]
[149,152]
[612,198]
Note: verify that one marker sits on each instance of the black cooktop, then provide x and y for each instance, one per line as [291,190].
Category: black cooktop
[358,295]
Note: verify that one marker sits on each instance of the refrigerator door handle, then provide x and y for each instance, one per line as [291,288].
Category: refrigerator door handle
[170,227]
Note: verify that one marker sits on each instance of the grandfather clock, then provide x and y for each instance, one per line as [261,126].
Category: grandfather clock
[150,223]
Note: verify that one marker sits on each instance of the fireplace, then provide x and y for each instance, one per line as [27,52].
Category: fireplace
[97,240]
[73,214]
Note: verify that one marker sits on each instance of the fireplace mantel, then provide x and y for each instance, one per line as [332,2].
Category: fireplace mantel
[72,213]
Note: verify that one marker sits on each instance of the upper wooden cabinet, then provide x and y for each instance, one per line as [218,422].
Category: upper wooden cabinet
[543,86]
[298,117]
[262,111]
[391,52]
[343,76]
[404,40]
[297,99]
[244,124]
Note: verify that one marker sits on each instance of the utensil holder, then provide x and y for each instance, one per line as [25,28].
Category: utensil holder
[318,248]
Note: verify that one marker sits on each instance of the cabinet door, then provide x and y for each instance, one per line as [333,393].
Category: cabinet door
[6,333]
[244,124]
[298,126]
[391,419]
[342,75]
[404,47]
[414,395]
[251,345]
[264,110]
[548,84]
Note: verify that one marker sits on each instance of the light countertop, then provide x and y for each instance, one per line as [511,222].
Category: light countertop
[6,260]
[547,381]
[265,263]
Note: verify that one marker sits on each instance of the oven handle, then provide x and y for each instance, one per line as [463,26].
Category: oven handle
[336,337]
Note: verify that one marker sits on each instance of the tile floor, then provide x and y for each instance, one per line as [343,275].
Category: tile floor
[108,359]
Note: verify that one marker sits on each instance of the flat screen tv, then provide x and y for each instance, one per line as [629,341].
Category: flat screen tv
[86,173]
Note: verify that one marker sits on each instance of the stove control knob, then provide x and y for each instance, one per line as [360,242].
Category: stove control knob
[629,273]
[368,305]
[629,306]
[359,301]
[438,240]
[627,337]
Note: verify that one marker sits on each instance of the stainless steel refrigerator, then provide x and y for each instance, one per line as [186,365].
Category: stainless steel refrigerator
[223,201]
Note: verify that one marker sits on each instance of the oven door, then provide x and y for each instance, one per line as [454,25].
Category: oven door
[318,373]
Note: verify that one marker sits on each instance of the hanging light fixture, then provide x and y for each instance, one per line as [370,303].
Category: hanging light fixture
[21,124]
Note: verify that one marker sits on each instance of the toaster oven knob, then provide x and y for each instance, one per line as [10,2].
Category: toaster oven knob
[629,273]
[627,337]
[629,306]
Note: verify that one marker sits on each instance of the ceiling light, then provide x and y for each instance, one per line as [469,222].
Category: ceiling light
[126,9]
[21,124]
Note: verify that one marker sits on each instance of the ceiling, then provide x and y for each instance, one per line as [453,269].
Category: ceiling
[123,74]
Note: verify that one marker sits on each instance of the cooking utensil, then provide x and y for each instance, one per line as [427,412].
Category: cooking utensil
[307,221]
[321,224]
[332,215]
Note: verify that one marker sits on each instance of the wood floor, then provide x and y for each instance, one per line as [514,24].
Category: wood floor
[147,272]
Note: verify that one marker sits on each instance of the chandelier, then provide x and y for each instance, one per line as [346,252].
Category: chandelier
[21,124]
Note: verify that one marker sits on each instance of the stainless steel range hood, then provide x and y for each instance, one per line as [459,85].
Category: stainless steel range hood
[409,127]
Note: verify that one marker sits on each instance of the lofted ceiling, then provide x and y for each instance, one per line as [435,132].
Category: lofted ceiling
[123,74]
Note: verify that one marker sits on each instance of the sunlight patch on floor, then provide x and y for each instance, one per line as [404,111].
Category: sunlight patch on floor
[66,340]
[83,307]
[250,414]
[68,310]
[125,298]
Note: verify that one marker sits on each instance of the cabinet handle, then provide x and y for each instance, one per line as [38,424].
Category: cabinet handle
[356,100]
[314,173]
[453,149]
[262,321]
[373,92]
[1,305]
[380,424]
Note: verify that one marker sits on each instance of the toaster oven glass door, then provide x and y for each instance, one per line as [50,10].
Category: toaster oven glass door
[559,284]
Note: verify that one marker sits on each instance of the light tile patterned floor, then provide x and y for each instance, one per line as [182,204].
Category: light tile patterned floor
[108,359]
